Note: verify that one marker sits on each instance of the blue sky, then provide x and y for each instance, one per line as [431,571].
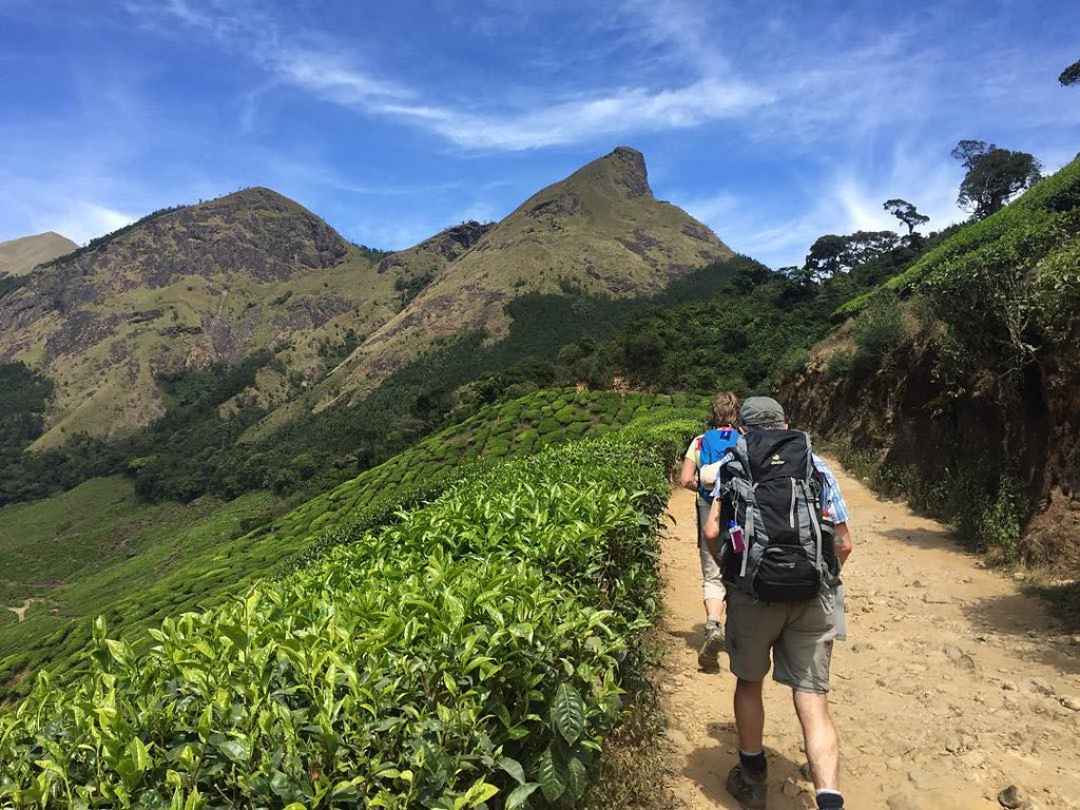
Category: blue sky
[773,123]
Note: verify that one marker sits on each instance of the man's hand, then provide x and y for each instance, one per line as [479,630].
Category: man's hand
[688,477]
[843,543]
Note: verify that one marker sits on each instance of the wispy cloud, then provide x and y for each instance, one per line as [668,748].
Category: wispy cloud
[80,221]
[844,199]
[332,77]
[629,110]
[328,73]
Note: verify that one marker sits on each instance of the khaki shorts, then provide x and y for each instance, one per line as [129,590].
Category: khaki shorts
[798,634]
[712,580]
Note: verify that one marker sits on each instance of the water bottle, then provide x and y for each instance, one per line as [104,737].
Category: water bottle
[736,535]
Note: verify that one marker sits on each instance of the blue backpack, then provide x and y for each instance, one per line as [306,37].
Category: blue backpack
[715,444]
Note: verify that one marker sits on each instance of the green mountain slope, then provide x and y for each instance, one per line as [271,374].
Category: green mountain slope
[254,273]
[957,382]
[19,256]
[206,552]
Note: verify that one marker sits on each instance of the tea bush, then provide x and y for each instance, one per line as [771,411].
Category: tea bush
[879,328]
[469,655]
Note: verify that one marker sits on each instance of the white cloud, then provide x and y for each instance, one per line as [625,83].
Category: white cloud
[329,74]
[635,109]
[332,77]
[80,221]
[713,210]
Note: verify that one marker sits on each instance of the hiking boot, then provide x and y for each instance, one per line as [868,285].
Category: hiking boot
[714,643]
[749,792]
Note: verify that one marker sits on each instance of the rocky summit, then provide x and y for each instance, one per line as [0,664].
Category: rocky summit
[599,231]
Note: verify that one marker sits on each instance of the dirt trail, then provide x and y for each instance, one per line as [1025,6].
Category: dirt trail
[951,685]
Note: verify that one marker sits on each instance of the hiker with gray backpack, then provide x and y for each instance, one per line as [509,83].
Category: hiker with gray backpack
[781,523]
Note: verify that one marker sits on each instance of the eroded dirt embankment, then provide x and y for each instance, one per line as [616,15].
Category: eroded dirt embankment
[952,684]
[958,435]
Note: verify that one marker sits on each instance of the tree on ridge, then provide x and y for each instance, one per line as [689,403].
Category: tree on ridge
[994,175]
[906,213]
[1071,74]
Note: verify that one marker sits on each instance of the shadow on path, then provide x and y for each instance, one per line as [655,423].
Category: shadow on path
[707,767]
[1025,618]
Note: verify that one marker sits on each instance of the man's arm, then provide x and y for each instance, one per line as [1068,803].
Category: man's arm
[842,543]
[688,477]
[712,522]
[835,508]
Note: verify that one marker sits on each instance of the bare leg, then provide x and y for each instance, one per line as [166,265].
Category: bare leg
[822,745]
[714,610]
[750,715]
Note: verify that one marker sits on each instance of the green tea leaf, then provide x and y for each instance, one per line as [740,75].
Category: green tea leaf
[479,793]
[568,713]
[552,777]
[577,777]
[513,767]
[519,796]
[236,750]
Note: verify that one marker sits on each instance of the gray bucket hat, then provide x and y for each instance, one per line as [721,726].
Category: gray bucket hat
[761,412]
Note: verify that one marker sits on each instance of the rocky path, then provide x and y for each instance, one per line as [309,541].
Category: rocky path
[951,686]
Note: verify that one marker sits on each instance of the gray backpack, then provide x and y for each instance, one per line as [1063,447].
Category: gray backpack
[773,493]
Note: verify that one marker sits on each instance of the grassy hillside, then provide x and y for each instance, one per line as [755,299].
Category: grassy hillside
[19,256]
[203,446]
[46,543]
[971,351]
[209,553]
[253,287]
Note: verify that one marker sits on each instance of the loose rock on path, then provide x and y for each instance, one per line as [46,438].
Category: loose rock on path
[951,687]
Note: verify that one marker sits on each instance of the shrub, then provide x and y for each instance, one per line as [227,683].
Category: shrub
[879,328]
[1002,522]
[792,362]
[840,363]
[568,415]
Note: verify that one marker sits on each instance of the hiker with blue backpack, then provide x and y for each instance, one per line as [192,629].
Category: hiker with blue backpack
[781,523]
[700,466]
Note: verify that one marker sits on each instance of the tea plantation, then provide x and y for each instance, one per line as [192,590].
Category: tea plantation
[466,653]
[199,566]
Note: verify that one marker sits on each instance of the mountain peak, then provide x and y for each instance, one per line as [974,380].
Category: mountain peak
[20,256]
[630,161]
[599,231]
[622,172]
[256,197]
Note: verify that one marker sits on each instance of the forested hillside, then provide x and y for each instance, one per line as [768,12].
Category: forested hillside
[955,382]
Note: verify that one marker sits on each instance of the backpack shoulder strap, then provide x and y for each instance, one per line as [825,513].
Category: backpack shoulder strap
[742,455]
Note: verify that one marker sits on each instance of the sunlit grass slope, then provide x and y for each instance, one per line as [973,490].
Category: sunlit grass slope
[1038,231]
